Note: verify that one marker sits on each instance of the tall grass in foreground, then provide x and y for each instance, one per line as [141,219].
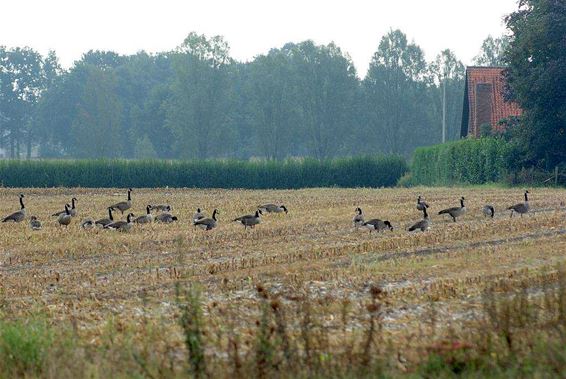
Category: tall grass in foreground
[369,171]
[521,333]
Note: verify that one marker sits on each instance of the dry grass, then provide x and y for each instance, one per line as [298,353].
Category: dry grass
[111,287]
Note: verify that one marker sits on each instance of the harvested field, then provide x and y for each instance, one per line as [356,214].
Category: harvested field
[122,289]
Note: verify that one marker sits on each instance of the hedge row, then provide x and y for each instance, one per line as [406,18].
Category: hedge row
[382,171]
[472,161]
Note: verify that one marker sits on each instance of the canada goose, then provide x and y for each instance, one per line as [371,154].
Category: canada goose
[207,223]
[488,210]
[73,209]
[146,218]
[421,204]
[65,218]
[521,208]
[166,218]
[34,223]
[358,219]
[250,220]
[423,225]
[19,215]
[122,226]
[162,207]
[455,211]
[272,208]
[378,225]
[88,223]
[124,205]
[198,215]
[105,221]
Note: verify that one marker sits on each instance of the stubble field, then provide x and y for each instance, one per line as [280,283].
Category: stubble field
[302,289]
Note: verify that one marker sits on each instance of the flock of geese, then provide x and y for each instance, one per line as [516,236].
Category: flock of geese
[424,224]
[163,215]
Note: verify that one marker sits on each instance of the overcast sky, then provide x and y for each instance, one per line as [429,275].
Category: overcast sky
[251,27]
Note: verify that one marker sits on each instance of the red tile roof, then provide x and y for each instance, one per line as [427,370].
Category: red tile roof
[484,101]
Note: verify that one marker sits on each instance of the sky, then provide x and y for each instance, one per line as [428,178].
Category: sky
[251,27]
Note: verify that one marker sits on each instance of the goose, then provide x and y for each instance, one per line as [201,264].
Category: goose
[423,225]
[455,211]
[166,218]
[19,215]
[488,210]
[105,221]
[250,220]
[124,205]
[421,204]
[198,215]
[378,225]
[272,208]
[358,219]
[122,226]
[73,209]
[162,207]
[207,223]
[65,218]
[521,208]
[34,223]
[88,223]
[147,218]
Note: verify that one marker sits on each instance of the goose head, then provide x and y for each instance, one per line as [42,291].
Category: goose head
[284,209]
[388,224]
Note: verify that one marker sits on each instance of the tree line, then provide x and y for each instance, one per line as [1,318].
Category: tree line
[196,102]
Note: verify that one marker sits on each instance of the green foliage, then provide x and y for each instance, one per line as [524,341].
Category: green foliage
[536,75]
[369,171]
[471,161]
[24,347]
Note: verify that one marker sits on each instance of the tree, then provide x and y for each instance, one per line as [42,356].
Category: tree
[492,50]
[195,112]
[396,92]
[536,76]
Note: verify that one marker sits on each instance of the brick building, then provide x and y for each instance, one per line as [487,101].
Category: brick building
[484,102]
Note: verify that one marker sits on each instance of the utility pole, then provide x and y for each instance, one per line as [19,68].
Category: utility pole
[444,109]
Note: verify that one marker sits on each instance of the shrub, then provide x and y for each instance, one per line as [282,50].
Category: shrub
[369,171]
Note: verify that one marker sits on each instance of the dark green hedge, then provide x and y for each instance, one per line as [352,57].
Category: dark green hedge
[382,171]
[472,161]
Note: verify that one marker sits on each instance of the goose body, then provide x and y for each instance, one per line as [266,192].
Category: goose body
[358,219]
[19,215]
[207,223]
[161,207]
[488,210]
[124,205]
[65,218]
[422,225]
[72,211]
[105,221]
[378,225]
[147,218]
[166,218]
[34,223]
[122,226]
[521,208]
[88,223]
[455,211]
[273,208]
[199,215]
[421,204]
[250,220]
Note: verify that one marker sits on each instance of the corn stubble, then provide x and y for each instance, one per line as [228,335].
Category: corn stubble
[303,294]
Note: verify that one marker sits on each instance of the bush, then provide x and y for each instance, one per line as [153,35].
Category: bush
[369,171]
[468,161]
[24,347]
